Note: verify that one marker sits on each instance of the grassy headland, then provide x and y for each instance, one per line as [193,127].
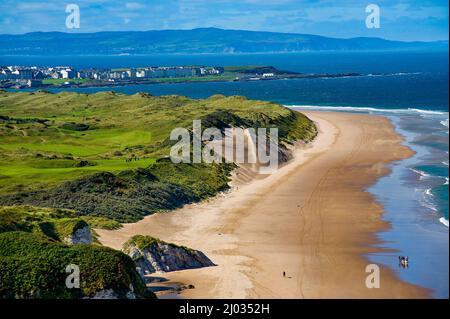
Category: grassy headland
[72,160]
[34,266]
[104,154]
[34,256]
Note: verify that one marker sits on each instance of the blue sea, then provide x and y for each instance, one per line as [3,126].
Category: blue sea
[413,93]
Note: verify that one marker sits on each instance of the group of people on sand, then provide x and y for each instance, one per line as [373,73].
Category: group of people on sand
[403,261]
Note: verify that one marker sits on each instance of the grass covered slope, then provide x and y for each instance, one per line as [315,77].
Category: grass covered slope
[52,222]
[34,266]
[72,160]
[103,154]
[34,257]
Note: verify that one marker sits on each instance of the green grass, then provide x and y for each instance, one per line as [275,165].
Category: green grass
[34,266]
[33,258]
[102,222]
[209,78]
[54,223]
[227,76]
[16,176]
[64,164]
[143,241]
[55,147]
[61,81]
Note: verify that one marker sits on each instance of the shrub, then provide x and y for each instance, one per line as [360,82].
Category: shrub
[33,266]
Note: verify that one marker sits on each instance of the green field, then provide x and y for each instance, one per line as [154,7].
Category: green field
[70,160]
[62,81]
[53,145]
[34,266]
[210,78]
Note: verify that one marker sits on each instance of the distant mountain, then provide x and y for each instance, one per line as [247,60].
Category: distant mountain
[205,40]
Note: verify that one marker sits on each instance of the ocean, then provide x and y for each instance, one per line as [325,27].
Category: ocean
[413,93]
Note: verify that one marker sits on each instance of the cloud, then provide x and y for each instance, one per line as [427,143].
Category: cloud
[134,5]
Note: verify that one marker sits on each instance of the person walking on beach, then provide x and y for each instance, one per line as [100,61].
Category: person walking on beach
[284,274]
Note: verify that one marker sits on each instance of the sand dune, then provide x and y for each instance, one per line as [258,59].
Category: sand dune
[311,219]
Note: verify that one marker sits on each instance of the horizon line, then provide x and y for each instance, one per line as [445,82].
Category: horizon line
[222,29]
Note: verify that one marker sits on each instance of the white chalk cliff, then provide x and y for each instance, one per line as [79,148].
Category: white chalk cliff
[158,256]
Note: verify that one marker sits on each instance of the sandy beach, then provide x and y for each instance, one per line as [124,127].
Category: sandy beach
[311,219]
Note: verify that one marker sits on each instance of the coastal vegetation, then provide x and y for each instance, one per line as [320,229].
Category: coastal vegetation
[72,162]
[62,81]
[52,222]
[34,257]
[143,242]
[34,266]
[105,154]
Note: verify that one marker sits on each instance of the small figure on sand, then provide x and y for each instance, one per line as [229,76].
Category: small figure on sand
[284,274]
[403,261]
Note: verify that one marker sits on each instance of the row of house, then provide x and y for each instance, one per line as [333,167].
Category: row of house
[163,72]
[65,72]
[18,73]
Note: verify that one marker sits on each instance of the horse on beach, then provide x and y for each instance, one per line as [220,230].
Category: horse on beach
[403,261]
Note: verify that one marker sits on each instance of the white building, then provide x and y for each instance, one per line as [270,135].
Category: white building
[67,74]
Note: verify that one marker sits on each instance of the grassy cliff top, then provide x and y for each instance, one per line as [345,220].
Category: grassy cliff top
[52,222]
[145,241]
[33,266]
[103,154]
[50,138]
[65,163]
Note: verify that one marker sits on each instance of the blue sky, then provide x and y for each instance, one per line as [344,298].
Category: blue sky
[400,20]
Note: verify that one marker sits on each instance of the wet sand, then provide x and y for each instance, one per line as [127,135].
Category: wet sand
[311,219]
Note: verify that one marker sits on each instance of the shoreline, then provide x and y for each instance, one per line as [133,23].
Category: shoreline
[236,79]
[106,84]
[416,229]
[319,232]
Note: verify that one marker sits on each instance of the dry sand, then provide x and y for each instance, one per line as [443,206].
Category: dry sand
[312,219]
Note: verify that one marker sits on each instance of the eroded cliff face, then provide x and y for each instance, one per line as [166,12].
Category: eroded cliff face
[158,257]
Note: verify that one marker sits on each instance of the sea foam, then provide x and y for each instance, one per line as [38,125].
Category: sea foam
[370,110]
[427,198]
[421,174]
[443,221]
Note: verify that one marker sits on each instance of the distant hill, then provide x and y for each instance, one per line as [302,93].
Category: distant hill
[204,40]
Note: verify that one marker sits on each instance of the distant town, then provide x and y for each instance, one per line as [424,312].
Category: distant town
[23,77]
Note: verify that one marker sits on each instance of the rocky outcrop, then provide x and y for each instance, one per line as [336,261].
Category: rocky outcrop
[151,255]
[79,236]
[113,294]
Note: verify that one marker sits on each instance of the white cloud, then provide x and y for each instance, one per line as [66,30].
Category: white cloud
[134,5]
